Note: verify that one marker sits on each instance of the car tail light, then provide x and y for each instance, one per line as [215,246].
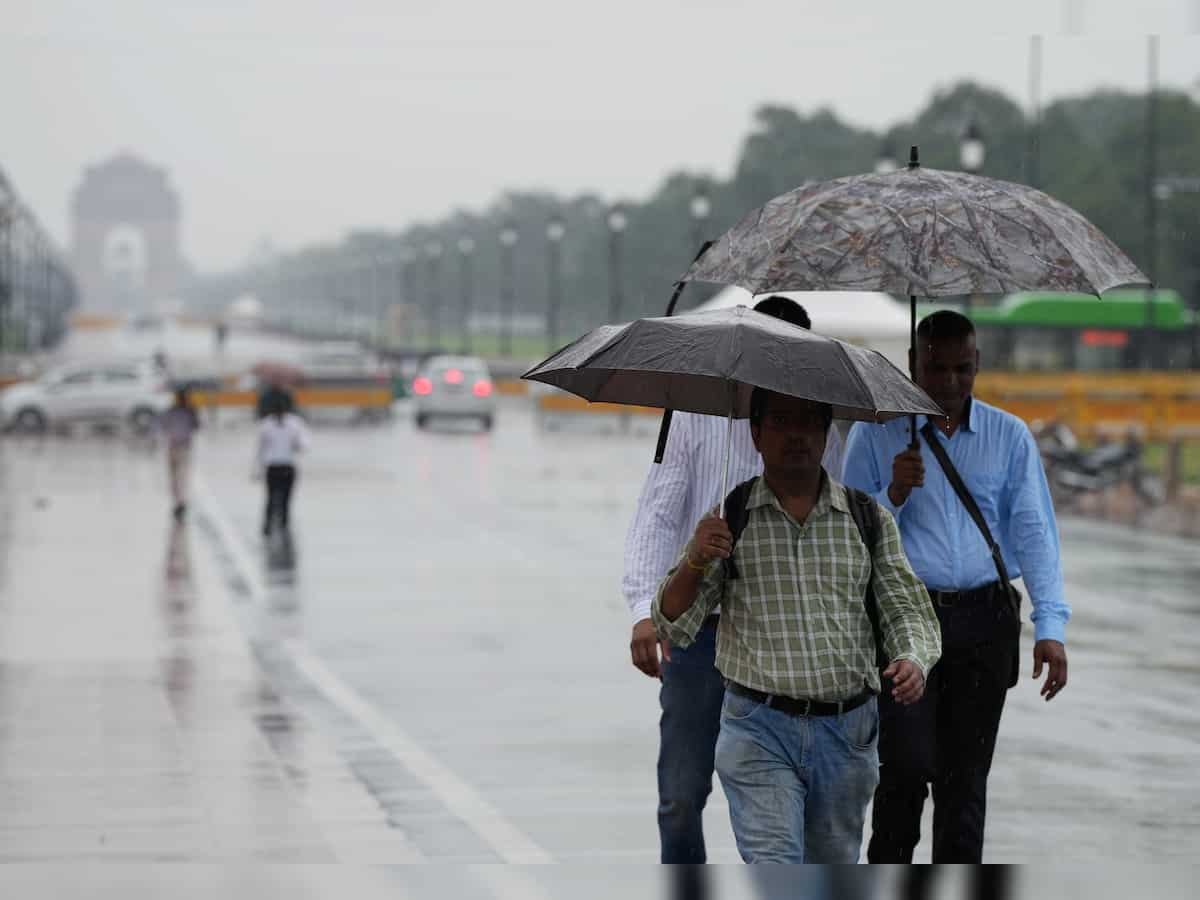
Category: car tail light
[453,376]
[422,386]
[482,389]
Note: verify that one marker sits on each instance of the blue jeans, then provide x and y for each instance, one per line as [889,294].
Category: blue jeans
[691,694]
[798,786]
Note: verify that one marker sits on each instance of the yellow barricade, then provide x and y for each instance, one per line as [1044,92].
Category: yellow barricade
[564,403]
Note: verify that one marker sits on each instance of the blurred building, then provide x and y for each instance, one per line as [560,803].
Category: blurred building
[125,237]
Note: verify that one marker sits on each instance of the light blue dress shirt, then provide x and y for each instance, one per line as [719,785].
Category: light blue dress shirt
[998,459]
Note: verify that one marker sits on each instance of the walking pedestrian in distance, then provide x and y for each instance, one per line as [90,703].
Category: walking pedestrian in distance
[282,437]
[180,424]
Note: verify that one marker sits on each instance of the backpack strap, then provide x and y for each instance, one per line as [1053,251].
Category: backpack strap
[865,512]
[735,518]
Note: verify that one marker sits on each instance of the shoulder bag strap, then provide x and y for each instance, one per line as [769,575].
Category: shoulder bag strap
[968,501]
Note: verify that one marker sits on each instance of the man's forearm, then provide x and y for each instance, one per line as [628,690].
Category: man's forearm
[680,592]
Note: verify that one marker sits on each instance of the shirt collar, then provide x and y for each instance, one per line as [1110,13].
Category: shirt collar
[970,423]
[832,495]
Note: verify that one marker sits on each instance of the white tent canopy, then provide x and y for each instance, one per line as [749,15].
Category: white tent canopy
[865,318]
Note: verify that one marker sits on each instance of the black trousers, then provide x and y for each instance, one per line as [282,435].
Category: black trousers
[987,883]
[946,739]
[280,481]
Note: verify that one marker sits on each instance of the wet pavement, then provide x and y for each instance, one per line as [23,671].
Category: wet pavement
[435,667]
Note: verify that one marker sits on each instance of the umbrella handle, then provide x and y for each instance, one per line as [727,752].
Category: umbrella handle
[665,427]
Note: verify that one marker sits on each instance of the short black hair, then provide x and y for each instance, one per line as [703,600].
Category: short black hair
[784,308]
[945,323]
[758,407]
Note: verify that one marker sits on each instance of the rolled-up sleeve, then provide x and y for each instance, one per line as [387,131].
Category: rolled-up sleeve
[683,630]
[906,617]
[1033,536]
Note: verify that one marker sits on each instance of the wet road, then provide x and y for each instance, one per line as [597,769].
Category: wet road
[468,586]
[448,621]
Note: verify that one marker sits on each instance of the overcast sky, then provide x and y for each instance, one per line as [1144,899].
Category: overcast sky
[297,120]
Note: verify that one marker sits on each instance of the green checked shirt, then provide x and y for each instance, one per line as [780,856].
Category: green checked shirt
[794,624]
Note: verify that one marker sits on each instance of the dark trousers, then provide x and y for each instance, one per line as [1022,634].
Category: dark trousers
[280,481]
[691,695]
[946,740]
[987,883]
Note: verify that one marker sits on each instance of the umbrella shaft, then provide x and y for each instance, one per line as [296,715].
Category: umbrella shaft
[728,447]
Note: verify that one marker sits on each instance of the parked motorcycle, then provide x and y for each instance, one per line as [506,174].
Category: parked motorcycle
[1073,470]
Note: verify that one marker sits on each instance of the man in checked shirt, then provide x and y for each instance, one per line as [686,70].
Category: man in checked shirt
[675,496]
[797,751]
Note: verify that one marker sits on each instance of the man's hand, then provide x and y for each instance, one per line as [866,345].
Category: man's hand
[908,684]
[908,472]
[1054,655]
[644,646]
[712,540]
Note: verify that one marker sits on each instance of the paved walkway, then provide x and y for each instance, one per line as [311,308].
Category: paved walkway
[134,722]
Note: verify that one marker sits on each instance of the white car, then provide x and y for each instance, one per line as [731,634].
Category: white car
[132,393]
[454,387]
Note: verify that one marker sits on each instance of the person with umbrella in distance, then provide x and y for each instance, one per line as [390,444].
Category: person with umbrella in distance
[674,497]
[797,644]
[974,511]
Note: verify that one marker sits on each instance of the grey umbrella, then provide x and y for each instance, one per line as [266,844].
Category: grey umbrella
[710,362]
[913,232]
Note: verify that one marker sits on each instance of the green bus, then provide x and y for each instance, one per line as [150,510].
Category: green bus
[1052,332]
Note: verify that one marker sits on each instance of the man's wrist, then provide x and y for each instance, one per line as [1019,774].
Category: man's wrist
[896,495]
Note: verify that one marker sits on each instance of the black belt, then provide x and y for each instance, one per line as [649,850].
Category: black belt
[795,707]
[973,597]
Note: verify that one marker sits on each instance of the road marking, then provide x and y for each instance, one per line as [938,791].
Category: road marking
[509,843]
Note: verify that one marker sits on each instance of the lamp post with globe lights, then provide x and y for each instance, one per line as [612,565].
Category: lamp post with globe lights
[466,253]
[617,221]
[555,232]
[508,244]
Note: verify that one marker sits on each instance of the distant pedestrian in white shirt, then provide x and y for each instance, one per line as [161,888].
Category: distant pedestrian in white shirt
[282,437]
[179,424]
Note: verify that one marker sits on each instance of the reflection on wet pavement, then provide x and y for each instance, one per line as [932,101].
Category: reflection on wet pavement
[458,597]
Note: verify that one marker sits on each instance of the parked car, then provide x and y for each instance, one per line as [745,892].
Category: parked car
[131,393]
[454,387]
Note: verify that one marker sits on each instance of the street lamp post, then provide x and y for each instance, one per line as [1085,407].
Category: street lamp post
[408,274]
[700,208]
[6,259]
[508,243]
[972,152]
[886,162]
[1151,189]
[466,254]
[433,253]
[555,231]
[617,221]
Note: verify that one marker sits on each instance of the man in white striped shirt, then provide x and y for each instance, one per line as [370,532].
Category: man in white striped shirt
[676,495]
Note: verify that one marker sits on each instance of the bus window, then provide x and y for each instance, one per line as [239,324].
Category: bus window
[1041,350]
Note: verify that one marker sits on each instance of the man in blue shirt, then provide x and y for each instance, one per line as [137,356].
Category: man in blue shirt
[947,739]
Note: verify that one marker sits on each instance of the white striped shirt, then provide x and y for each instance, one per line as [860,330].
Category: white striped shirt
[681,490]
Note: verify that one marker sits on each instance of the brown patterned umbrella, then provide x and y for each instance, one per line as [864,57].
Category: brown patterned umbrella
[916,231]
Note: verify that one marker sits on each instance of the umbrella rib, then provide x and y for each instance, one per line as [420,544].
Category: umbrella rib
[962,201]
[1032,211]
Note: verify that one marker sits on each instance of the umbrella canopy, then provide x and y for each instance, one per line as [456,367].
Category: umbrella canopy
[916,231]
[710,362]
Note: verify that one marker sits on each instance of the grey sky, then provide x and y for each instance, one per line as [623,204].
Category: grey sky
[297,119]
